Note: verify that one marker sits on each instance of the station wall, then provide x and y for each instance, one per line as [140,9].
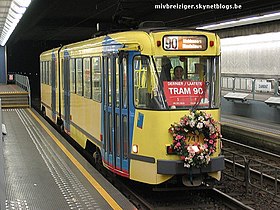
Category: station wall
[251,56]
[257,54]
[3,70]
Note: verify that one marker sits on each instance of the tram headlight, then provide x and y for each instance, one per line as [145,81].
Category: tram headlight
[135,148]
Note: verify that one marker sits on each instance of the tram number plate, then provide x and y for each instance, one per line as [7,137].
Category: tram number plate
[192,139]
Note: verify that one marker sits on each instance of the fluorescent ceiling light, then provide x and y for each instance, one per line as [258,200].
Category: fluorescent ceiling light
[23,3]
[252,39]
[17,9]
[243,21]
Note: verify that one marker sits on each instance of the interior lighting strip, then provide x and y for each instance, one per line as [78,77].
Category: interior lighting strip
[16,11]
[272,37]
[243,21]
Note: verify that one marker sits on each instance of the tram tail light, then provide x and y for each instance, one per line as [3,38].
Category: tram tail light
[158,43]
[135,148]
[211,43]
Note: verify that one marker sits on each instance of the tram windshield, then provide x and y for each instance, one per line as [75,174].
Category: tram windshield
[176,82]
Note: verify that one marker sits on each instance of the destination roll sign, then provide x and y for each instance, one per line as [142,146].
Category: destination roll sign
[198,43]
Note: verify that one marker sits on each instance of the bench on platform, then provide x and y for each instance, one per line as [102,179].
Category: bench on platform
[233,96]
[273,102]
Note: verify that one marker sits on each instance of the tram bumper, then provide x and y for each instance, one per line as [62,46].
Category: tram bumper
[173,167]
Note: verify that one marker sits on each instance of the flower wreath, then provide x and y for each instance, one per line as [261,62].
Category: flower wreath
[197,123]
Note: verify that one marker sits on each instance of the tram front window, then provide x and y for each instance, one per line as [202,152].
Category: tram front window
[159,87]
[147,91]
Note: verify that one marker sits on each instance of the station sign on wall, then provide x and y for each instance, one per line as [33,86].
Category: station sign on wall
[263,86]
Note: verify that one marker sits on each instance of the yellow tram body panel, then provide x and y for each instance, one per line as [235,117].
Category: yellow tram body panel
[85,113]
[46,98]
[46,89]
[152,140]
[148,172]
[85,119]
[85,48]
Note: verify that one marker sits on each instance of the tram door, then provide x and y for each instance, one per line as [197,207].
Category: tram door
[115,114]
[53,83]
[66,88]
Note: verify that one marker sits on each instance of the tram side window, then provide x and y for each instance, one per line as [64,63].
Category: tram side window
[110,81]
[47,72]
[117,82]
[96,79]
[62,74]
[72,76]
[86,77]
[42,72]
[144,82]
[124,83]
[55,73]
[79,77]
[53,70]
[50,73]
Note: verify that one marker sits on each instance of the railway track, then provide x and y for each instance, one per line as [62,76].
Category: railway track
[185,199]
[230,201]
[250,151]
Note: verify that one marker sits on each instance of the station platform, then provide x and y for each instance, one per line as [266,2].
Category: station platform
[14,96]
[252,132]
[43,171]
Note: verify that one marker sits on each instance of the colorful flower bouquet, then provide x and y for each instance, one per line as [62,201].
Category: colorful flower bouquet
[187,134]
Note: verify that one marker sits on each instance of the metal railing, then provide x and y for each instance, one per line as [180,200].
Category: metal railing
[254,173]
[264,171]
[23,82]
[251,84]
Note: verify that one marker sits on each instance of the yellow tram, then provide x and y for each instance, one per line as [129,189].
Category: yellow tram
[115,95]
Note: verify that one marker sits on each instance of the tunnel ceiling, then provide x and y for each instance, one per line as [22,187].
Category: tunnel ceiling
[73,20]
